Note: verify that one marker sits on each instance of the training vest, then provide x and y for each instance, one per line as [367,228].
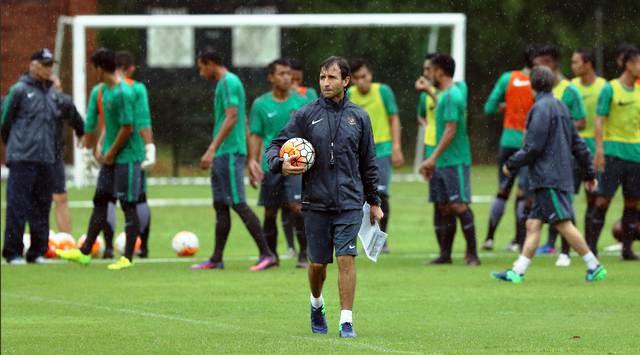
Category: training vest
[558,91]
[623,123]
[589,94]
[518,101]
[430,116]
[374,105]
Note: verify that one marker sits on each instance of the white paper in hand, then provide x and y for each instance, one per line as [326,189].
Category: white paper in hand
[371,236]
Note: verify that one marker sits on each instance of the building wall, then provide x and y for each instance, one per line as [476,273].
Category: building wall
[26,26]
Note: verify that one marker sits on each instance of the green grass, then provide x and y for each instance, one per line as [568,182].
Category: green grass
[400,305]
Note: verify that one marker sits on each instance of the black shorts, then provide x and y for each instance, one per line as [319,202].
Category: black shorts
[506,182]
[227,179]
[384,175]
[277,190]
[619,172]
[58,178]
[552,206]
[326,231]
[450,184]
[121,181]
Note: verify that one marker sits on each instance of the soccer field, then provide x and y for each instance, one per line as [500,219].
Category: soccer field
[160,306]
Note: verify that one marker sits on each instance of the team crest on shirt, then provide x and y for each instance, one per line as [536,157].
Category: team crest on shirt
[351,120]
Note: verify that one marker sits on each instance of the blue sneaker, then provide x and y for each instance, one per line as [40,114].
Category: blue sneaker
[318,321]
[346,330]
[508,276]
[596,274]
[546,249]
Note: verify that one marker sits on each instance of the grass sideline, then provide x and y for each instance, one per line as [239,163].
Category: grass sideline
[401,307]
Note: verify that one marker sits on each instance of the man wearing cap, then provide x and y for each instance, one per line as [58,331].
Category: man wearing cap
[29,120]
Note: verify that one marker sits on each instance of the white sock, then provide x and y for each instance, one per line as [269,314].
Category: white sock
[521,265]
[317,302]
[346,316]
[591,260]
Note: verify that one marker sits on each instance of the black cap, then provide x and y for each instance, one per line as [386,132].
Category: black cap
[43,55]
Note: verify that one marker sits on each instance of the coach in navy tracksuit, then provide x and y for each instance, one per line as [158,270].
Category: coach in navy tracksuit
[551,144]
[344,175]
[29,118]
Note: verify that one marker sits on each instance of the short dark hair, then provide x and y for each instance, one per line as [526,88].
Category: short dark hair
[587,55]
[548,49]
[444,62]
[342,63]
[295,64]
[210,55]
[529,53]
[359,63]
[629,55]
[272,66]
[430,56]
[542,79]
[624,47]
[124,59]
[104,59]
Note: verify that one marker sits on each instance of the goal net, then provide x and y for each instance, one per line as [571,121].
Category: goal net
[165,44]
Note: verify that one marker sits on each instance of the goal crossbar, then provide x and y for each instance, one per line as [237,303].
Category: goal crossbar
[80,24]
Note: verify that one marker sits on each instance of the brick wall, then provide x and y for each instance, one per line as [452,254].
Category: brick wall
[27,25]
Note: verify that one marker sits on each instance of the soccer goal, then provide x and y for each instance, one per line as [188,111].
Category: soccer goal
[163,22]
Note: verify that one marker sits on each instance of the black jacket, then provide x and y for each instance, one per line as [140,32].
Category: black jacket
[29,116]
[551,143]
[66,112]
[353,176]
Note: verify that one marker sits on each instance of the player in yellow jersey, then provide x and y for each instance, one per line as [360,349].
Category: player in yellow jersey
[380,103]
[618,151]
[589,85]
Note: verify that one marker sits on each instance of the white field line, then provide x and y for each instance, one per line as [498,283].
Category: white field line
[199,202]
[156,315]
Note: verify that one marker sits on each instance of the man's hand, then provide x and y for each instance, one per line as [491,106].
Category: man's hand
[421,121]
[506,171]
[376,214]
[109,158]
[289,169]
[427,168]
[422,84]
[591,185]
[397,158]
[598,161]
[255,173]
[206,162]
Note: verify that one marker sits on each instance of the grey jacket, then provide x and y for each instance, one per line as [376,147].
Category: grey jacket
[29,116]
[343,176]
[551,143]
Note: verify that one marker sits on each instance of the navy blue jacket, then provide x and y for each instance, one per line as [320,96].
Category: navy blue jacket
[29,121]
[66,112]
[352,179]
[551,143]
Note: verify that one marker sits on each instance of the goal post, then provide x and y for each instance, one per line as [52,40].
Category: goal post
[79,25]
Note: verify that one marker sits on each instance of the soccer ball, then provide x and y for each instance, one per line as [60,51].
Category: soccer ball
[65,241]
[96,249]
[121,241]
[185,244]
[301,147]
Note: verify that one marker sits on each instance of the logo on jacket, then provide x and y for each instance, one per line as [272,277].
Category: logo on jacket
[351,120]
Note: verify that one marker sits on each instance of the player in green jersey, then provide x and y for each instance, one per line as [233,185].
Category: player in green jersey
[618,151]
[451,158]
[120,156]
[225,158]
[270,112]
[126,69]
